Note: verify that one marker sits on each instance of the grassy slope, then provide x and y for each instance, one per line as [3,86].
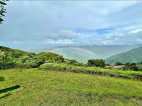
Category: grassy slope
[15,51]
[65,88]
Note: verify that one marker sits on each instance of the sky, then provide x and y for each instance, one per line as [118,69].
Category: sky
[41,24]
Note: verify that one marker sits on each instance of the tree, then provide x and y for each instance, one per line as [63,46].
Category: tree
[6,61]
[2,10]
[118,63]
[130,66]
[96,63]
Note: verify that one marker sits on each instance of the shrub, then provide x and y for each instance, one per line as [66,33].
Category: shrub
[118,63]
[96,63]
[126,68]
[130,66]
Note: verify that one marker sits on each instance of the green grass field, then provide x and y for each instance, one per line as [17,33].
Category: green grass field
[41,88]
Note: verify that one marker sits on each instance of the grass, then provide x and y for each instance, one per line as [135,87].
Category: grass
[41,88]
[137,75]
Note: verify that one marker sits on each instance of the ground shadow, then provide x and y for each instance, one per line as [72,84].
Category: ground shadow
[6,95]
[2,78]
[9,89]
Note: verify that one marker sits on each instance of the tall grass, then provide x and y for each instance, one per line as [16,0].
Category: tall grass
[137,75]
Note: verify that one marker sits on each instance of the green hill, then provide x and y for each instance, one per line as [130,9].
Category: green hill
[132,56]
[13,52]
[12,58]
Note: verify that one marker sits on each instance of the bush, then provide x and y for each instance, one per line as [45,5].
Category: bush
[73,62]
[134,68]
[126,68]
[118,63]
[96,63]
[130,66]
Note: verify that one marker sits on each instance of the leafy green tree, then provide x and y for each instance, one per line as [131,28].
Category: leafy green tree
[130,66]
[96,63]
[118,63]
[2,10]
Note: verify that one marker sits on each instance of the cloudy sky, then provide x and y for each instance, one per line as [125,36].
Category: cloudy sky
[35,24]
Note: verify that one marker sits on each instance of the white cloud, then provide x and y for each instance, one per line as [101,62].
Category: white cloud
[136,31]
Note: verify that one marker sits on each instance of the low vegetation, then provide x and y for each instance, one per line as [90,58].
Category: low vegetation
[33,87]
[93,70]
[127,66]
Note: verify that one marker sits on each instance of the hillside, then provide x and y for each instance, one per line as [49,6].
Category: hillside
[104,51]
[13,51]
[132,56]
[11,58]
[35,87]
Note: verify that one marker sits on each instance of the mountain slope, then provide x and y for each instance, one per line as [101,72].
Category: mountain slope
[133,56]
[105,51]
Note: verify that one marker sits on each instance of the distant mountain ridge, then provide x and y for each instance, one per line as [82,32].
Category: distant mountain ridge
[132,56]
[84,53]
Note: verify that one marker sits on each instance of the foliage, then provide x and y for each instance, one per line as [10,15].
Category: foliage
[118,63]
[6,61]
[73,62]
[50,57]
[93,70]
[96,63]
[2,10]
[130,66]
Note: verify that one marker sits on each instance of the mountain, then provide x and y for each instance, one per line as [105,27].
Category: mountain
[84,53]
[133,56]
[104,51]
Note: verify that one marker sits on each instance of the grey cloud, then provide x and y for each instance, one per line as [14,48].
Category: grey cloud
[54,22]
[61,35]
